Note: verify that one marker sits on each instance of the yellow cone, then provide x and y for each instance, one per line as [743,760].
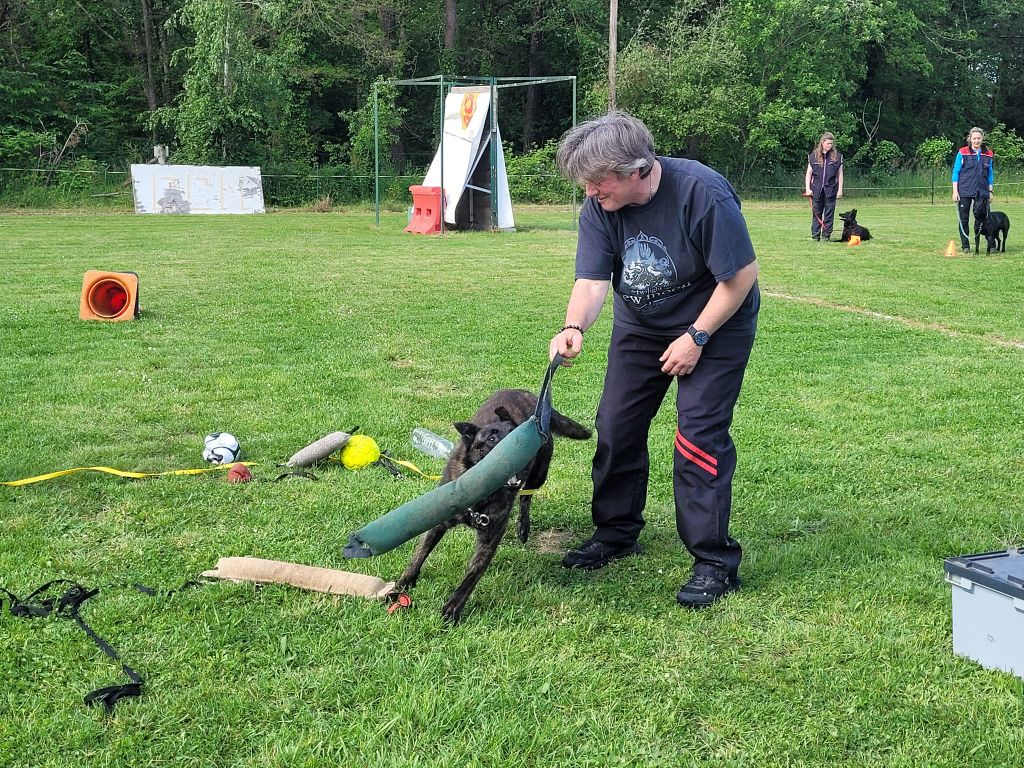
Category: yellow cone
[854,240]
[951,249]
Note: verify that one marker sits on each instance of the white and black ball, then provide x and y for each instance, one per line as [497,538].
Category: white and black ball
[221,448]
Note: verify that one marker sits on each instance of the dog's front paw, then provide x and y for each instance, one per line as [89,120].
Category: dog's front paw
[523,527]
[404,584]
[452,612]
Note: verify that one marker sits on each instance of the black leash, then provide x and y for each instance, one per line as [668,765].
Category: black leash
[68,606]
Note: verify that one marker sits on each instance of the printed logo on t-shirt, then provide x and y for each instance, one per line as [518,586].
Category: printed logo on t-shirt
[648,274]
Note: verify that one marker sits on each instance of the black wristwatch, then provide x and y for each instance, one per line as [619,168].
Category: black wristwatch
[700,338]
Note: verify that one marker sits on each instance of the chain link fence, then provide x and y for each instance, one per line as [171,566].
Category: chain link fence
[89,183]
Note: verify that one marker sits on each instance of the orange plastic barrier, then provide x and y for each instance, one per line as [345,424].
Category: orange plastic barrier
[854,240]
[110,296]
[426,210]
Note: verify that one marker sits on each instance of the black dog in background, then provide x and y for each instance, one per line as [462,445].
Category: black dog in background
[996,223]
[502,412]
[851,227]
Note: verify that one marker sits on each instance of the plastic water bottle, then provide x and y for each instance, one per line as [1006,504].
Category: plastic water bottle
[431,444]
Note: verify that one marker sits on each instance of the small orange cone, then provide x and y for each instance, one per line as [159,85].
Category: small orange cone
[111,296]
[951,249]
[854,240]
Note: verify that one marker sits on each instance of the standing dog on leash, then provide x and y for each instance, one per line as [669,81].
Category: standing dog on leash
[851,227]
[501,413]
[996,224]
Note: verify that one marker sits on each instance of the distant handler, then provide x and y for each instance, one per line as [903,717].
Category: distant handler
[973,178]
[823,183]
[667,234]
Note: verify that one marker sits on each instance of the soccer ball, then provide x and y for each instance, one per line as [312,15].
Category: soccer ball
[221,448]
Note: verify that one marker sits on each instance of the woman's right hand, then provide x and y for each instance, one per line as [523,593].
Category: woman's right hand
[956,196]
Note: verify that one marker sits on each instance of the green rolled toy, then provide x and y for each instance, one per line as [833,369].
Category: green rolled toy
[421,514]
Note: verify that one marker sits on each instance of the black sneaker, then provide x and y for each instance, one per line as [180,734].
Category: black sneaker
[704,589]
[593,554]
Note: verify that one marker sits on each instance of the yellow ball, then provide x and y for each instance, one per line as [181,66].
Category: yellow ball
[360,451]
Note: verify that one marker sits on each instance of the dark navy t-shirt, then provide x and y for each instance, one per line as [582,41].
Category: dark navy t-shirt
[665,257]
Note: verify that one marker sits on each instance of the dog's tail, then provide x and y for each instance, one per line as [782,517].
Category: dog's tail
[564,426]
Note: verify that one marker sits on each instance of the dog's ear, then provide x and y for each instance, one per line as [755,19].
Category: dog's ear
[502,413]
[467,429]
[853,214]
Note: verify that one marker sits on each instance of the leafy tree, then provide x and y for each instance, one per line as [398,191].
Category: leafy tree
[236,104]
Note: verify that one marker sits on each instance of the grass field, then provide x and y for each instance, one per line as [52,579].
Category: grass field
[880,429]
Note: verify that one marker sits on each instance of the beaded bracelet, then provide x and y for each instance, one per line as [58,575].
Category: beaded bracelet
[574,327]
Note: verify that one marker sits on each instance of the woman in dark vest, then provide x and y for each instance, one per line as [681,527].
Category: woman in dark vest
[973,176]
[823,183]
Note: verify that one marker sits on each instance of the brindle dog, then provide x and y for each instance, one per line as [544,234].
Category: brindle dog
[502,412]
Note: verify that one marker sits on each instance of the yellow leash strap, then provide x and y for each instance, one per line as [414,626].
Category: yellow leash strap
[414,468]
[392,460]
[121,473]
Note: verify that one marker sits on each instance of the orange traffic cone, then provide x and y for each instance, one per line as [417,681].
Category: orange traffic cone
[951,249]
[110,296]
[854,240]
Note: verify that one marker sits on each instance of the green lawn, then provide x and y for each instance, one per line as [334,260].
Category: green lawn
[880,429]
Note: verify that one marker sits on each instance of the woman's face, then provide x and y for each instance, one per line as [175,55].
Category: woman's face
[826,145]
[976,138]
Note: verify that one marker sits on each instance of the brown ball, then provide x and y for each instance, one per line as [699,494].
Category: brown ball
[239,473]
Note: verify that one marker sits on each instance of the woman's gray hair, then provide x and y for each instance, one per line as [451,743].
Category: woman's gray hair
[615,143]
[976,129]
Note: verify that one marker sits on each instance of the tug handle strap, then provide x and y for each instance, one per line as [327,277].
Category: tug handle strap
[421,514]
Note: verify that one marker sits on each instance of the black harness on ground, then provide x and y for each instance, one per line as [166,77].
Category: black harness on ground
[45,602]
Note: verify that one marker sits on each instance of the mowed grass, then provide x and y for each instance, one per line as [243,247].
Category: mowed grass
[880,429]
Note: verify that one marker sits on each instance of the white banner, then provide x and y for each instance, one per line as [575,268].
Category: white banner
[197,189]
[466,112]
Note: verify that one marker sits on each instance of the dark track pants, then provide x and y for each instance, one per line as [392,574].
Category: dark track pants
[963,208]
[824,209]
[705,457]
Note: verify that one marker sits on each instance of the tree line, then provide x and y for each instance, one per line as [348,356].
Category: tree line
[286,84]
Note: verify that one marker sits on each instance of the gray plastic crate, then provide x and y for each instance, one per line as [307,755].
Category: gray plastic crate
[988,608]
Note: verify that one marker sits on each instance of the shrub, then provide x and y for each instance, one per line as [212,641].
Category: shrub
[933,152]
[534,178]
[886,157]
[1007,146]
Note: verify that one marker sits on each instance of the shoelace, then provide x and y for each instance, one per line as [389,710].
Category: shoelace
[702,581]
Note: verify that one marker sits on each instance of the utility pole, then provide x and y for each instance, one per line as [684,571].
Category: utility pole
[613,46]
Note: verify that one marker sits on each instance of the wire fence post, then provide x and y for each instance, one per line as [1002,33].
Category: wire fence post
[376,158]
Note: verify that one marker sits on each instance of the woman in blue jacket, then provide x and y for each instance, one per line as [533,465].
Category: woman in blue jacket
[973,176]
[823,183]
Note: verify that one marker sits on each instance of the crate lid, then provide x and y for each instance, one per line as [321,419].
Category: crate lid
[1002,571]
